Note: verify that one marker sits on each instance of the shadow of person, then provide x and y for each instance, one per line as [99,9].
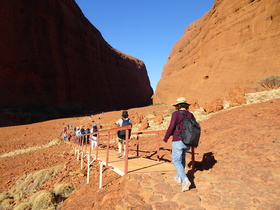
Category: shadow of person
[191,177]
[207,162]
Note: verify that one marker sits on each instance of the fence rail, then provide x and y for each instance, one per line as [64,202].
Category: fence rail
[82,145]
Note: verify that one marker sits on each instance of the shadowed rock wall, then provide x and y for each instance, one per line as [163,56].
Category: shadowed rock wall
[236,43]
[52,55]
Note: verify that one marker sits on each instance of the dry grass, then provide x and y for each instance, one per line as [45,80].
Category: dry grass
[30,149]
[262,96]
[62,191]
[23,206]
[26,186]
[43,200]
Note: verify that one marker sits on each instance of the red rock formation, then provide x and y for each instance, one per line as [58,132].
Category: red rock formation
[237,96]
[236,43]
[52,55]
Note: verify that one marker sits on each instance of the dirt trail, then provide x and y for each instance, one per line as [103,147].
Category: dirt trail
[243,171]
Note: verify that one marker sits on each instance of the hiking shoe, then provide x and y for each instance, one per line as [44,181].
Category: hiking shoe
[178,179]
[186,184]
[119,155]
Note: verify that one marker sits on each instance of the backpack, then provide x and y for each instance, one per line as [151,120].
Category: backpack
[94,130]
[82,131]
[87,130]
[191,131]
[121,133]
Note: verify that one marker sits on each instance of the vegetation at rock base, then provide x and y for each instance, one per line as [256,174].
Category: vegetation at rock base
[270,82]
[26,187]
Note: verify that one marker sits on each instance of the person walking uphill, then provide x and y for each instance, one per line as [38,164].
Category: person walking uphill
[179,149]
[121,134]
[94,136]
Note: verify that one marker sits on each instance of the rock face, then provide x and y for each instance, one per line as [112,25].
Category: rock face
[52,55]
[235,43]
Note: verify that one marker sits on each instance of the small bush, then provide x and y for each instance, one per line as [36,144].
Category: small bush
[23,206]
[43,200]
[28,184]
[6,200]
[4,196]
[270,82]
[62,191]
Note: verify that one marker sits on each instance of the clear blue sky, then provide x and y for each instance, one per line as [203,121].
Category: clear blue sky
[145,29]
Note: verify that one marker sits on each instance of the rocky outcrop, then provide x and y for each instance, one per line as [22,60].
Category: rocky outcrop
[235,43]
[51,55]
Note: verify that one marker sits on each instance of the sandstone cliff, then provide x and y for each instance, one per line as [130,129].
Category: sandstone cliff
[235,43]
[51,55]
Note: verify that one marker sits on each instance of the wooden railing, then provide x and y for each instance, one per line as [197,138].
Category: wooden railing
[82,143]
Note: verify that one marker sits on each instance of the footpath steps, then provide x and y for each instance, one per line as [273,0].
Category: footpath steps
[135,164]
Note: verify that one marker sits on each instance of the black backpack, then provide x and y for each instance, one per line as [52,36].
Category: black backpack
[191,131]
[94,130]
[121,133]
[82,131]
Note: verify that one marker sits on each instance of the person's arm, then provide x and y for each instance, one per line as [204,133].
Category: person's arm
[119,122]
[171,128]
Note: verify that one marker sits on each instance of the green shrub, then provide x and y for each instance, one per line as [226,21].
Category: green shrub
[270,82]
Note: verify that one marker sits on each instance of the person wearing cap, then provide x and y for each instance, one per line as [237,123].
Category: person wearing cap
[179,149]
[121,123]
[94,136]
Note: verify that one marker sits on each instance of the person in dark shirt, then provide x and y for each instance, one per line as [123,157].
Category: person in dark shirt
[121,139]
[179,149]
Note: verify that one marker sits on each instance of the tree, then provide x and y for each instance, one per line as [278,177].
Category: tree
[270,82]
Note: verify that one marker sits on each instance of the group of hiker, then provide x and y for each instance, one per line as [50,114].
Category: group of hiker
[182,124]
[78,131]
[92,139]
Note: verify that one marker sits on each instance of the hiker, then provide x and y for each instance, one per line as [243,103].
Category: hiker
[87,131]
[94,136]
[179,149]
[121,134]
[78,131]
[64,136]
[69,136]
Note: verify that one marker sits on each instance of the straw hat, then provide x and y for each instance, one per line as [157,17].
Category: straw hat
[181,100]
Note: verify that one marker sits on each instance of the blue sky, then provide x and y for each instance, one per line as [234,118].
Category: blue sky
[145,29]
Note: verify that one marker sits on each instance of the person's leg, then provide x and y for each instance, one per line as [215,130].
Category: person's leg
[185,182]
[120,142]
[177,157]
[94,142]
[185,152]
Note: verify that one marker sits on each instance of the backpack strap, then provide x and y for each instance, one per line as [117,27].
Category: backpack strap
[188,115]
[177,126]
